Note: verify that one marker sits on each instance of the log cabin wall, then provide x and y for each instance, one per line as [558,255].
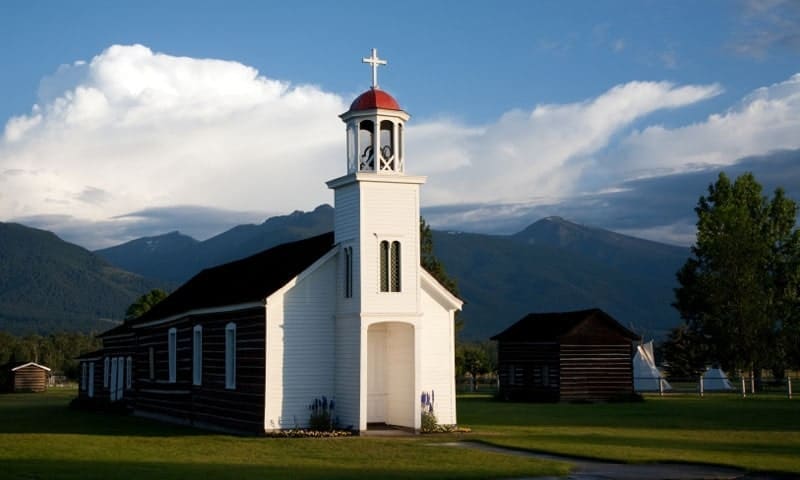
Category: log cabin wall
[596,362]
[209,405]
[30,379]
[528,370]
[595,372]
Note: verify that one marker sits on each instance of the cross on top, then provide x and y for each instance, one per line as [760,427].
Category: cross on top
[375,62]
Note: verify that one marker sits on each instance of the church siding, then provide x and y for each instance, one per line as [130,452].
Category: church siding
[437,350]
[390,212]
[346,224]
[209,404]
[300,352]
[347,379]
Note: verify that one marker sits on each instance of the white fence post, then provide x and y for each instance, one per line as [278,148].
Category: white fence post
[753,383]
[744,389]
[789,382]
[660,387]
[701,385]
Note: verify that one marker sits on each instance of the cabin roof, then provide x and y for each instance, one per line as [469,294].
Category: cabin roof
[22,365]
[250,279]
[550,327]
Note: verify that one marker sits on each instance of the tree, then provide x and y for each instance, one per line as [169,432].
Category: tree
[144,303]
[474,359]
[429,261]
[685,353]
[739,290]
[433,266]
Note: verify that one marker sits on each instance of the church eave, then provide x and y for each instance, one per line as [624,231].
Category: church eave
[374,177]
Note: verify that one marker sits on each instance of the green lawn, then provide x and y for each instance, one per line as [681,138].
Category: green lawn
[756,433]
[40,437]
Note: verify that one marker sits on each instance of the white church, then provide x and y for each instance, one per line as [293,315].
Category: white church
[349,315]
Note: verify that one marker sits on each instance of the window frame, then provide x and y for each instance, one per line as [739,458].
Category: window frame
[172,354]
[230,356]
[106,371]
[151,359]
[390,266]
[128,372]
[348,272]
[197,355]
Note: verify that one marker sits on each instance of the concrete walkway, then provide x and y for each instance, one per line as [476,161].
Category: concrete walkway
[598,470]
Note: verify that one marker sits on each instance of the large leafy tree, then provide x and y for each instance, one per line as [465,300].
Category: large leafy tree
[144,303]
[738,290]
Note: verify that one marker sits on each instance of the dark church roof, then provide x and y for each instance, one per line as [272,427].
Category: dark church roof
[247,280]
[549,327]
[90,355]
[121,329]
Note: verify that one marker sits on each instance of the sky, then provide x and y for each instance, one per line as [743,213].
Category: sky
[127,119]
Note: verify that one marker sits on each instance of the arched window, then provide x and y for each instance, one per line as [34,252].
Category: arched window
[387,146]
[395,269]
[172,347]
[348,272]
[129,373]
[197,355]
[91,380]
[366,133]
[230,356]
[151,360]
[106,371]
[390,266]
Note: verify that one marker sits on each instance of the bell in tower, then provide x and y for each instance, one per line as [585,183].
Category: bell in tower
[375,129]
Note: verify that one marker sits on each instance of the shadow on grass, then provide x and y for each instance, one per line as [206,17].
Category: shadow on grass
[50,413]
[70,469]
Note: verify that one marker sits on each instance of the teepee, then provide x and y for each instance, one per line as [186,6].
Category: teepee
[715,379]
[646,376]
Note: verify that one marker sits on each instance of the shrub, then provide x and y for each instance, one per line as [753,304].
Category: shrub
[322,418]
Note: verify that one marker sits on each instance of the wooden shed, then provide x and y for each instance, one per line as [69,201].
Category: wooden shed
[29,377]
[565,356]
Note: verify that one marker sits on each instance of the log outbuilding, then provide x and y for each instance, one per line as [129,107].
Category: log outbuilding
[565,356]
[28,377]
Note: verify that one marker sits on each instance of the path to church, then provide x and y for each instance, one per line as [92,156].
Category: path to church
[596,470]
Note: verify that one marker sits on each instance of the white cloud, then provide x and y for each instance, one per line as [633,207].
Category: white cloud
[133,129]
[543,152]
[766,120]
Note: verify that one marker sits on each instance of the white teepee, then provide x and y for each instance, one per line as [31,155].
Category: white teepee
[646,376]
[715,379]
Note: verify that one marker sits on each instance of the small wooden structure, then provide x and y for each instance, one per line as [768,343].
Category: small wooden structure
[565,356]
[28,377]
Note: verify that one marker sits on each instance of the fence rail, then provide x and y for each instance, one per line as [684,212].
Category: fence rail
[742,385]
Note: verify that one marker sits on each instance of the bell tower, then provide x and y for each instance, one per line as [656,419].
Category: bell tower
[377,209]
[375,129]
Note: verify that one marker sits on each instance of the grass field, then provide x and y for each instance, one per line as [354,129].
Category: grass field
[40,437]
[757,433]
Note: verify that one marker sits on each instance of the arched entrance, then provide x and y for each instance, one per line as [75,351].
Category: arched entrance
[390,374]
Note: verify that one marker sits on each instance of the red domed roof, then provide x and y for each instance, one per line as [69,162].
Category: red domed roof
[374,98]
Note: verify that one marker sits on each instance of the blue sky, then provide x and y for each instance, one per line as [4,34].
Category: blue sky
[519,109]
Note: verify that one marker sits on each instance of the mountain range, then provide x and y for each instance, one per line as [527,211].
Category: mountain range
[48,285]
[552,265]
